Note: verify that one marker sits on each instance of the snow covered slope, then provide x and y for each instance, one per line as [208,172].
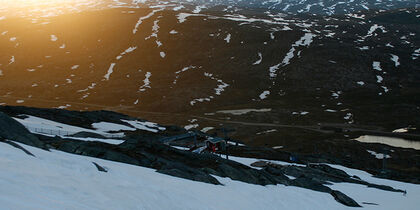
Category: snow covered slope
[57,180]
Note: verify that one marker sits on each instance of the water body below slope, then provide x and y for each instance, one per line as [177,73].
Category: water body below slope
[392,141]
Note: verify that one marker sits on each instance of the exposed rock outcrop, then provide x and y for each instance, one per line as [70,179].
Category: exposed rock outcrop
[13,130]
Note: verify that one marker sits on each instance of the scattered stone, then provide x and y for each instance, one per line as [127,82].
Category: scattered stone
[100,168]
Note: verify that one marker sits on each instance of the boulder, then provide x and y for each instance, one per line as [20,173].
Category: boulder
[344,199]
[310,183]
[100,168]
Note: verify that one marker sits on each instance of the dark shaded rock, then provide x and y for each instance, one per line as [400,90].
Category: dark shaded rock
[100,168]
[191,174]
[320,174]
[85,134]
[310,183]
[344,199]
[247,175]
[99,152]
[281,178]
[329,170]
[260,164]
[13,130]
[309,180]
[383,187]
[174,128]
[17,146]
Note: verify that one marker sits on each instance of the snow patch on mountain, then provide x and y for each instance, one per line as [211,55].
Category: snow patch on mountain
[376,65]
[128,50]
[178,73]
[141,19]
[396,60]
[146,82]
[182,17]
[110,71]
[264,94]
[259,59]
[304,41]
[54,38]
[221,86]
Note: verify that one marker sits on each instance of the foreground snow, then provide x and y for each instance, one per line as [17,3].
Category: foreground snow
[58,180]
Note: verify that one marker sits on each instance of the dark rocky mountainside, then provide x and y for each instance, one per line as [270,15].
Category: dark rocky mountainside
[177,64]
[305,6]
